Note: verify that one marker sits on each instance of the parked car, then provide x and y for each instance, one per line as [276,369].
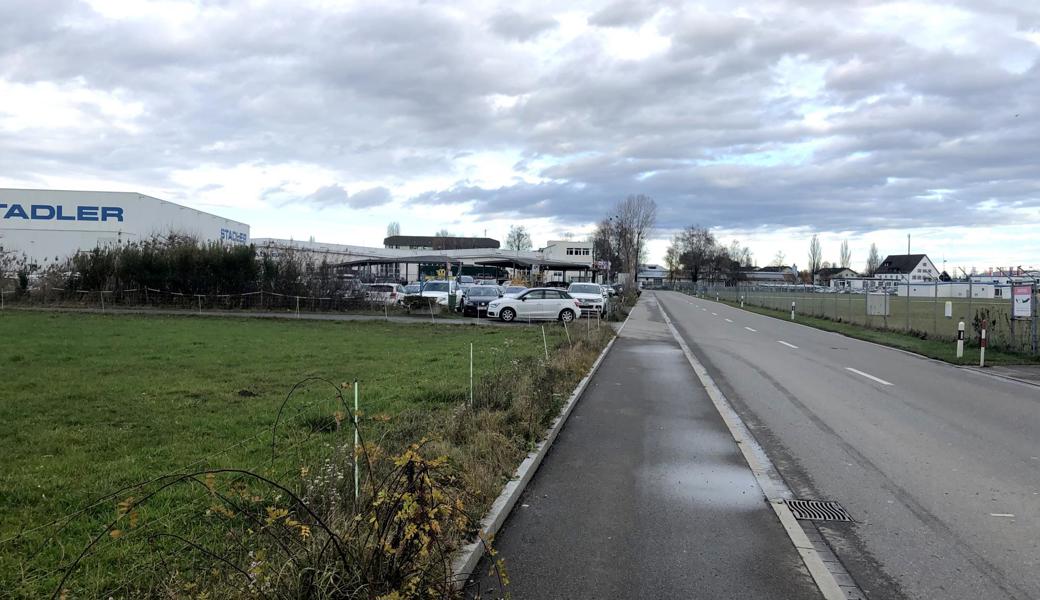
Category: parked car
[589,296]
[535,303]
[413,288]
[438,290]
[513,290]
[476,298]
[490,282]
[608,291]
[385,293]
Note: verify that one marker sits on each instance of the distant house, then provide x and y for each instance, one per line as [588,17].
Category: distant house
[906,268]
[824,276]
[431,242]
[780,274]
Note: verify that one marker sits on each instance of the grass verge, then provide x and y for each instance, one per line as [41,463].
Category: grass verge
[91,404]
[938,349]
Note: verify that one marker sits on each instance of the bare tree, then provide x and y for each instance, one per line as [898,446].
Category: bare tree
[873,261]
[444,233]
[697,248]
[518,239]
[635,219]
[778,260]
[846,255]
[815,254]
[673,257]
[394,228]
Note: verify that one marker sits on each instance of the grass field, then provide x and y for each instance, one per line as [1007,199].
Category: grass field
[927,315]
[939,349]
[92,403]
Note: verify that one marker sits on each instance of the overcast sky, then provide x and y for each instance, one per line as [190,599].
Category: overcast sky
[768,121]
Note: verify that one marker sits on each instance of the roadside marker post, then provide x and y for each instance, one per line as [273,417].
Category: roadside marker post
[742,302]
[471,374]
[982,344]
[357,442]
[960,339]
[792,310]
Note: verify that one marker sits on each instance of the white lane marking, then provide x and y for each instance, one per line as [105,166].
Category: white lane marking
[704,309]
[751,330]
[786,344]
[868,376]
[729,320]
[714,314]
[1004,515]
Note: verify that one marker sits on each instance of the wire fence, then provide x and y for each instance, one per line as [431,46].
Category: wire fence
[931,310]
[145,297]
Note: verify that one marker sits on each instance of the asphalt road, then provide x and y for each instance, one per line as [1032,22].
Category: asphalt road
[645,494]
[939,465]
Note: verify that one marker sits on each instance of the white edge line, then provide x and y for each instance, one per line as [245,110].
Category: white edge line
[786,344]
[868,376]
[769,480]
[467,558]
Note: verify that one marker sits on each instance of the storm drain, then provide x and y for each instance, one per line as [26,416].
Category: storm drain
[817,510]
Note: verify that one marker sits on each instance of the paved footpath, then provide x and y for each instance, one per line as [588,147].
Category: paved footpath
[645,494]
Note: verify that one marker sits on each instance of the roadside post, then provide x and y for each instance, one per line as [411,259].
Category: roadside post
[357,442]
[471,373]
[545,344]
[960,339]
[982,344]
[741,301]
[792,310]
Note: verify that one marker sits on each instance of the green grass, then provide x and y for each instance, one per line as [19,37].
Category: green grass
[90,403]
[927,315]
[932,348]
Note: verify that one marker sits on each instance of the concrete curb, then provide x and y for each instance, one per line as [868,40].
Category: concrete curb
[769,480]
[466,559]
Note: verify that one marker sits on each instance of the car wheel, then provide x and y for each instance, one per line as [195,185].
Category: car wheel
[567,315]
[507,314]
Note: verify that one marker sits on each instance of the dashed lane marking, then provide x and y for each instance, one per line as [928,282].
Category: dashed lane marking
[729,320]
[786,344]
[751,330]
[868,376]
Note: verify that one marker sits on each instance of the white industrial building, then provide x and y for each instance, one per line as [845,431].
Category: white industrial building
[44,227]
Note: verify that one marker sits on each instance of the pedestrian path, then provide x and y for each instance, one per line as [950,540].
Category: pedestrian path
[645,494]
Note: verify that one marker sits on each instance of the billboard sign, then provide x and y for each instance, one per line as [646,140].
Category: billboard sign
[1022,302]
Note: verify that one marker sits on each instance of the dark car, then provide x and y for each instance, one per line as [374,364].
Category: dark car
[475,299]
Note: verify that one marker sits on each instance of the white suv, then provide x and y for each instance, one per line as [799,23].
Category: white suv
[535,303]
[589,296]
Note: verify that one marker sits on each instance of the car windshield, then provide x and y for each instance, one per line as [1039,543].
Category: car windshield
[585,288]
[482,291]
[436,286]
[411,289]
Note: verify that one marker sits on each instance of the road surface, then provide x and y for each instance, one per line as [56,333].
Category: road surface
[939,465]
[645,494]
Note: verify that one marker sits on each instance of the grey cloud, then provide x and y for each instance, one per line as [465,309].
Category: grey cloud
[623,13]
[394,92]
[516,26]
[328,196]
[370,198]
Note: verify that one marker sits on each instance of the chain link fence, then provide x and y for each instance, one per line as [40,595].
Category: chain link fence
[929,311]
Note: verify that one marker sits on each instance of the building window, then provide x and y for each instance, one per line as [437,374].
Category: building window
[586,251]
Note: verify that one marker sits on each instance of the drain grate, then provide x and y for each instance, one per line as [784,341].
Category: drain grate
[817,510]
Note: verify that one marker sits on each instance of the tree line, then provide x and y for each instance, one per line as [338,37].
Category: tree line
[180,264]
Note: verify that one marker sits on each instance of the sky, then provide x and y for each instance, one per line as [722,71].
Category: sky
[766,121]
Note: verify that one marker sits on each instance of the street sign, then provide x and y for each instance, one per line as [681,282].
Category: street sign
[1022,302]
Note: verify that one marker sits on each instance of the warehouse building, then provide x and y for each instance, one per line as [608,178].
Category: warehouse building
[44,227]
